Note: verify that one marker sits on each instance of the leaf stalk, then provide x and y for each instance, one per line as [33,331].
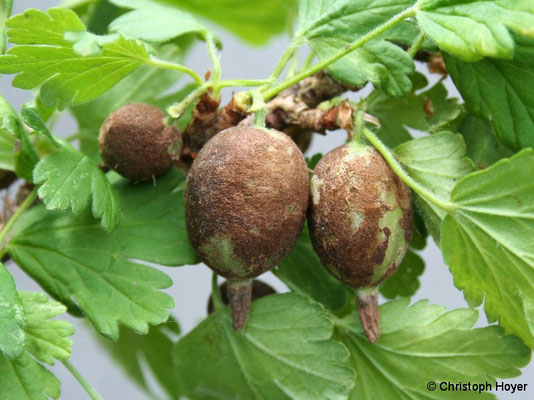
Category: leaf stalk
[215,60]
[155,62]
[273,91]
[401,173]
[88,388]
[23,207]
[418,42]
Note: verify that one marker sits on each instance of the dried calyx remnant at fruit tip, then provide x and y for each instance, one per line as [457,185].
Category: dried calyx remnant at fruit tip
[360,222]
[135,142]
[246,201]
[259,289]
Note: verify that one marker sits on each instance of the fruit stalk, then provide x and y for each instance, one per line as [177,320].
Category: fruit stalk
[369,312]
[240,297]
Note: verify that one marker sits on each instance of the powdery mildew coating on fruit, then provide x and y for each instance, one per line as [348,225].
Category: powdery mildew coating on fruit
[360,217]
[246,200]
[135,142]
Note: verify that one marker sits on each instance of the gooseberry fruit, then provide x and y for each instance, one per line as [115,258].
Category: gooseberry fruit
[136,142]
[246,200]
[360,223]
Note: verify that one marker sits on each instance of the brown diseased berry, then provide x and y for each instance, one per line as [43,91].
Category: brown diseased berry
[246,201]
[360,222]
[135,142]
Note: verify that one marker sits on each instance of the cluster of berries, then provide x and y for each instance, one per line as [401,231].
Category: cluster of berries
[249,193]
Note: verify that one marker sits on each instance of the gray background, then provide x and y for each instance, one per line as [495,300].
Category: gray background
[191,285]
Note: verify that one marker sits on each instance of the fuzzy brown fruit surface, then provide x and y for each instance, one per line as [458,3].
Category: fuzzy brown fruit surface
[360,222]
[246,200]
[361,216]
[135,142]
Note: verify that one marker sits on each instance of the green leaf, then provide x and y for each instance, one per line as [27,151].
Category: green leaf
[313,160]
[25,156]
[324,18]
[26,379]
[69,179]
[31,117]
[153,22]
[428,111]
[384,64]
[12,318]
[286,350]
[45,57]
[47,339]
[83,266]
[481,142]
[487,241]
[424,343]
[7,139]
[473,29]
[329,26]
[437,162]
[144,85]
[132,351]
[500,91]
[5,12]
[405,281]
[303,273]
[406,33]
[96,14]
[254,21]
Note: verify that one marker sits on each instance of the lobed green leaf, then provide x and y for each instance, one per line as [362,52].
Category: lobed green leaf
[25,378]
[424,343]
[69,179]
[487,242]
[385,65]
[429,110]
[253,21]
[437,162]
[328,26]
[500,91]
[473,29]
[481,142]
[12,318]
[153,22]
[286,350]
[101,273]
[44,56]
[47,339]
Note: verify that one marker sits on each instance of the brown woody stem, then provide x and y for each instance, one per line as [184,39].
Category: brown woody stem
[369,312]
[294,107]
[240,297]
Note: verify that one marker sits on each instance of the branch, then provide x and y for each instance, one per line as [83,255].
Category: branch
[284,111]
